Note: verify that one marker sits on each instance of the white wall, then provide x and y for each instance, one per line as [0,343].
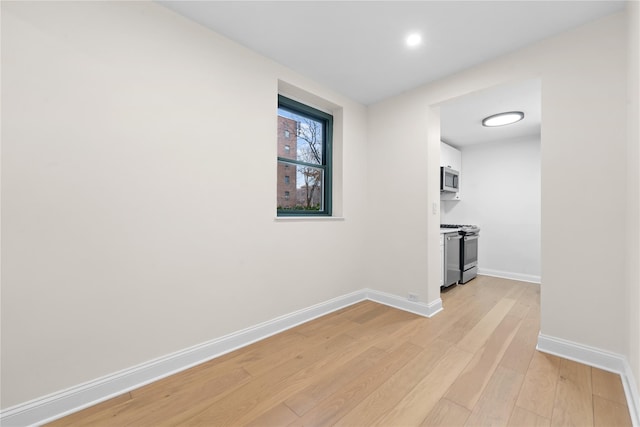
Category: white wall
[138,193]
[583,146]
[399,238]
[500,185]
[633,189]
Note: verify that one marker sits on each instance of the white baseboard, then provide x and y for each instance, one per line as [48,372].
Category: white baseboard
[510,275]
[65,402]
[632,393]
[426,310]
[600,359]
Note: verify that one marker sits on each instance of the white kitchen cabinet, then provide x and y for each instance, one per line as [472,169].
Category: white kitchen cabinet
[451,157]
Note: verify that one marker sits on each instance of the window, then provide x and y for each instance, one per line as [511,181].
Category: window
[308,153]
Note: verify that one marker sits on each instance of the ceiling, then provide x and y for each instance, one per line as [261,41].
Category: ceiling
[461,118]
[357,47]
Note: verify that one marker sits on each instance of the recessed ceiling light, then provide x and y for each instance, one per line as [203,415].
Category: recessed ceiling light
[503,119]
[414,39]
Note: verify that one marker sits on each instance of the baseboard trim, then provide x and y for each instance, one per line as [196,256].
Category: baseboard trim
[420,308]
[510,275]
[57,405]
[632,393]
[595,357]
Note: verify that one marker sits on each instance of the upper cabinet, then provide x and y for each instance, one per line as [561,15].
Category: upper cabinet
[451,157]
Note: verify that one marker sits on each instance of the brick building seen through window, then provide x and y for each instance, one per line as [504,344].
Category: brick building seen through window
[289,180]
[304,180]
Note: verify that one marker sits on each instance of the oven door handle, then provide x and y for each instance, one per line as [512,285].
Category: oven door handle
[466,238]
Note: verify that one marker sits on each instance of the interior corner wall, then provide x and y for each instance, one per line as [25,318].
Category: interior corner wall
[633,187]
[402,157]
[138,193]
[583,144]
[500,192]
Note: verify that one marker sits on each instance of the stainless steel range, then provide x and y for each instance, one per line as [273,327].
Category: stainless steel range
[468,250]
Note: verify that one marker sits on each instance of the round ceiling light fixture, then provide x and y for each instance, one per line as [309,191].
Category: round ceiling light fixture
[413,39]
[503,119]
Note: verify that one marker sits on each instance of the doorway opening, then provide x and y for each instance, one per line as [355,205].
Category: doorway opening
[499,177]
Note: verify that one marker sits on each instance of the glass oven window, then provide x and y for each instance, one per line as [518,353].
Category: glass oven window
[470,251]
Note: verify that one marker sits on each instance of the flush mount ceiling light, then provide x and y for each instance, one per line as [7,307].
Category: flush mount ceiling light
[503,119]
[413,39]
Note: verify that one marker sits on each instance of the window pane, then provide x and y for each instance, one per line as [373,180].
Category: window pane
[304,144]
[299,137]
[304,189]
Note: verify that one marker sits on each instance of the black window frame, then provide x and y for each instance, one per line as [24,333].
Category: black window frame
[327,155]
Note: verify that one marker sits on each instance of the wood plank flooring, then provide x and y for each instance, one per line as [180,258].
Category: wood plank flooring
[474,364]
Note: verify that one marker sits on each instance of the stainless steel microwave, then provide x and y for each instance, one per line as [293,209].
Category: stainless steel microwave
[449,180]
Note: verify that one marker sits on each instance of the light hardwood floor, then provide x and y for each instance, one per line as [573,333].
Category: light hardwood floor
[474,364]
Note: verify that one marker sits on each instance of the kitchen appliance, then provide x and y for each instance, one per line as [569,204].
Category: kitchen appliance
[449,180]
[468,250]
[451,258]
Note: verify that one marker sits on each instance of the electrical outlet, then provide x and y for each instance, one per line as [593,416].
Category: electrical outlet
[413,297]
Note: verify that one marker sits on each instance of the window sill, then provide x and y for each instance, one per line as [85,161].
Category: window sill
[308,218]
